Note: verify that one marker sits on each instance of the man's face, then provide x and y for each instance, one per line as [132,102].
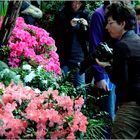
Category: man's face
[76,5]
[115,30]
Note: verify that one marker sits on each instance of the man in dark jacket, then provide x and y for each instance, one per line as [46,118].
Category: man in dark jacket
[71,35]
[125,70]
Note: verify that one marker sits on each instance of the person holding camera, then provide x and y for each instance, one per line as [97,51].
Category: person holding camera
[98,35]
[71,36]
[124,71]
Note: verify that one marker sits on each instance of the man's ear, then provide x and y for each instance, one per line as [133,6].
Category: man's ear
[123,23]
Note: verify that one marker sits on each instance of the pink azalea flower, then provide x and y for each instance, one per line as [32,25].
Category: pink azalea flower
[71,136]
[79,103]
[33,43]
[45,109]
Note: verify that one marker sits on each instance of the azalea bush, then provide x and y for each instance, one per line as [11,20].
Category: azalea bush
[40,103]
[27,114]
[38,78]
[33,45]
[33,107]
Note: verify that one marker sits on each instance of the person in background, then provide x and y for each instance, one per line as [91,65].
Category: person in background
[71,36]
[99,34]
[124,71]
[137,9]
[30,13]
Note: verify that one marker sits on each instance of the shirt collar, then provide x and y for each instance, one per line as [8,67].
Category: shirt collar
[128,33]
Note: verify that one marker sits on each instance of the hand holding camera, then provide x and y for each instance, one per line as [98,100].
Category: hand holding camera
[76,21]
[102,56]
[83,21]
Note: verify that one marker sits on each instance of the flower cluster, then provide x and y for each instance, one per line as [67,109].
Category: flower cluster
[38,79]
[41,108]
[30,43]
[26,114]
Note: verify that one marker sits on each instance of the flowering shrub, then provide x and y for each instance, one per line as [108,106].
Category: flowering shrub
[38,78]
[32,44]
[49,107]
[26,114]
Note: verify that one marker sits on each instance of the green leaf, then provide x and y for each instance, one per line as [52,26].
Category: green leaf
[69,119]
[3,7]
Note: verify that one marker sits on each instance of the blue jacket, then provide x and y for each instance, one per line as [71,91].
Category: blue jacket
[97,35]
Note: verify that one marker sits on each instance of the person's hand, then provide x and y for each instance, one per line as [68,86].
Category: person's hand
[102,85]
[83,21]
[102,64]
[74,21]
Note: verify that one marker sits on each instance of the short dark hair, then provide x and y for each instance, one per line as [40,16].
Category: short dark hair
[121,12]
[68,5]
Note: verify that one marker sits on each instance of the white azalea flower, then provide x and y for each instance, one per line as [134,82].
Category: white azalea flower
[45,82]
[18,76]
[26,67]
[37,90]
[27,87]
[29,78]
[63,94]
[39,68]
[6,70]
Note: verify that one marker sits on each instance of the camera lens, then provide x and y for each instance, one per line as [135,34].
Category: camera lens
[79,21]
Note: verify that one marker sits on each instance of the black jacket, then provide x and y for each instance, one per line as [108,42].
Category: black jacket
[126,67]
[71,42]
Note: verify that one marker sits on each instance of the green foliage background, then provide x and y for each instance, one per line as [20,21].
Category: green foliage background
[50,8]
[3,7]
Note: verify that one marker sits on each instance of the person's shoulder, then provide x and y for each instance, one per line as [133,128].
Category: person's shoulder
[134,37]
[99,12]
[128,41]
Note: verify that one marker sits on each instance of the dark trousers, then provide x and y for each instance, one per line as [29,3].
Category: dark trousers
[127,121]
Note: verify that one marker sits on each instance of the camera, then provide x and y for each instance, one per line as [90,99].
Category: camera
[103,53]
[79,21]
